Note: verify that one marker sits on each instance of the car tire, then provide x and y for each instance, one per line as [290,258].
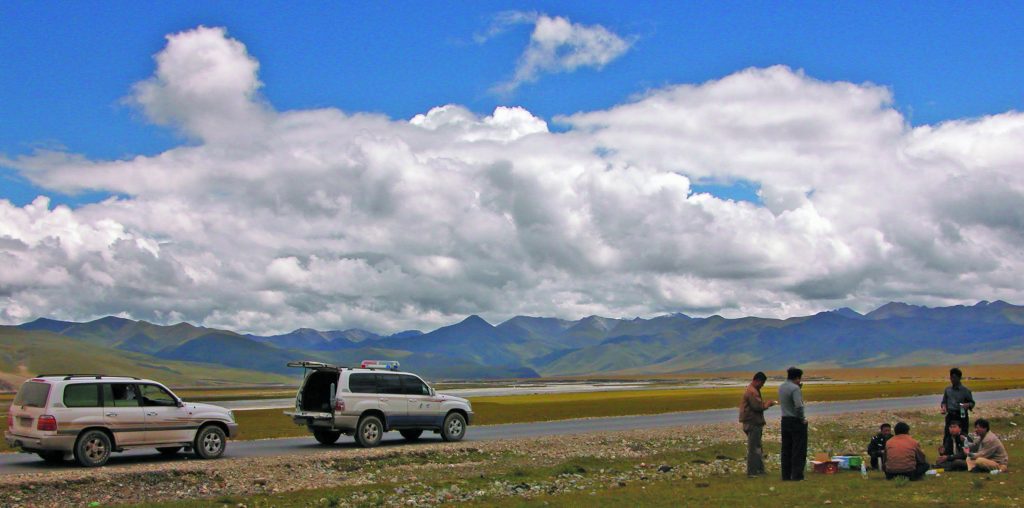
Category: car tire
[92,448]
[369,431]
[52,457]
[411,434]
[210,442]
[169,450]
[454,427]
[326,437]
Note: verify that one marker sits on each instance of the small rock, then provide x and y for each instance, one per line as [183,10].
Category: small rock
[260,481]
[664,468]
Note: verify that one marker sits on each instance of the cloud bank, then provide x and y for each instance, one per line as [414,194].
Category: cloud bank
[269,220]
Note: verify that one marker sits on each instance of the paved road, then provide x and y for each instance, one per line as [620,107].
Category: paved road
[24,463]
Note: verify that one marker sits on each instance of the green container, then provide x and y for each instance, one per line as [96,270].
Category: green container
[855,462]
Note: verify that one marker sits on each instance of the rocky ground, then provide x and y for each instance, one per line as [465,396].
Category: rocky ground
[432,474]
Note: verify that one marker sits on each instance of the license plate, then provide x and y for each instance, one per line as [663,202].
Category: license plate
[25,422]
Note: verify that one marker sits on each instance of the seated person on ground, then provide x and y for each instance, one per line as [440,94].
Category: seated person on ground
[876,448]
[903,455]
[954,449]
[989,453]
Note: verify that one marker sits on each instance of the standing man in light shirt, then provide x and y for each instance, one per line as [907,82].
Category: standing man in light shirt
[752,409]
[794,426]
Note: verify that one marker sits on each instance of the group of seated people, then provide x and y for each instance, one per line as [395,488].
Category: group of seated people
[901,455]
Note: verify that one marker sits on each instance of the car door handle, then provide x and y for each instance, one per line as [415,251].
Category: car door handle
[151,414]
[111,414]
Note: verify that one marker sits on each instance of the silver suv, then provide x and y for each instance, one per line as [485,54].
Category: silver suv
[88,416]
[369,401]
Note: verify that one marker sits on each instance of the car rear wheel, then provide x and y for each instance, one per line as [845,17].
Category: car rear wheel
[92,449]
[369,431]
[411,434]
[52,457]
[210,442]
[326,437]
[169,450]
[454,427]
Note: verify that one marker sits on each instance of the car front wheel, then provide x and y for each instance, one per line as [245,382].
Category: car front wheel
[454,427]
[369,431]
[92,449]
[210,442]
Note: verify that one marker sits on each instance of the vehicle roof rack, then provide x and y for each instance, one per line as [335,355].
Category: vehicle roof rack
[96,376]
[315,365]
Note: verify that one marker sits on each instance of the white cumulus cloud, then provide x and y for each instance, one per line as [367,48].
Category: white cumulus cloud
[557,45]
[269,220]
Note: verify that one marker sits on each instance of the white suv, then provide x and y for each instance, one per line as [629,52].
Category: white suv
[367,402]
[88,416]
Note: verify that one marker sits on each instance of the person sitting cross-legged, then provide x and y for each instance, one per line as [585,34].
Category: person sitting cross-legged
[954,449]
[903,455]
[989,453]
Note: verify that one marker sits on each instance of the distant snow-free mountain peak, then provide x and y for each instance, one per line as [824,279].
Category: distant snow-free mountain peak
[475,320]
[848,312]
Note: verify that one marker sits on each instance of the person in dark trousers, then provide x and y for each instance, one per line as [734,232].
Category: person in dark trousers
[954,449]
[794,426]
[904,456]
[752,409]
[876,448]
[957,402]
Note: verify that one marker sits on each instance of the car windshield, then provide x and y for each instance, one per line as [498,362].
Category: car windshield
[32,394]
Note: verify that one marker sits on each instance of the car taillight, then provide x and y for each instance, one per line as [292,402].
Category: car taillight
[46,422]
[339,405]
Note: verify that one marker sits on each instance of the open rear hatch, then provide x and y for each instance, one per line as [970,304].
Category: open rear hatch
[315,400]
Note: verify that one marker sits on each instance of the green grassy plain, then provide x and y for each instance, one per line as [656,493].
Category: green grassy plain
[684,485]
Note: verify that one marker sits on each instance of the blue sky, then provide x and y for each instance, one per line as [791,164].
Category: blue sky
[402,165]
[67,65]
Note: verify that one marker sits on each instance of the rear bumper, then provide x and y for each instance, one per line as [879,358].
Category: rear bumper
[346,423]
[40,443]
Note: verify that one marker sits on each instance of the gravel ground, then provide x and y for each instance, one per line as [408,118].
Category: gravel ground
[431,474]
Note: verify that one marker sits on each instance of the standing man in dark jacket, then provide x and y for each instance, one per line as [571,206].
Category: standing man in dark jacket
[794,426]
[876,448]
[957,402]
[752,409]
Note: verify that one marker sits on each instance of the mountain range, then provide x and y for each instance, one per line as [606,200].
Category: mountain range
[523,346]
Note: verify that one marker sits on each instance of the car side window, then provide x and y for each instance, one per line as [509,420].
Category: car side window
[82,395]
[362,383]
[120,395]
[412,385]
[389,383]
[153,395]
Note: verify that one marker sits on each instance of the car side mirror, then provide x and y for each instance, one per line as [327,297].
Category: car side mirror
[432,392]
[179,403]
